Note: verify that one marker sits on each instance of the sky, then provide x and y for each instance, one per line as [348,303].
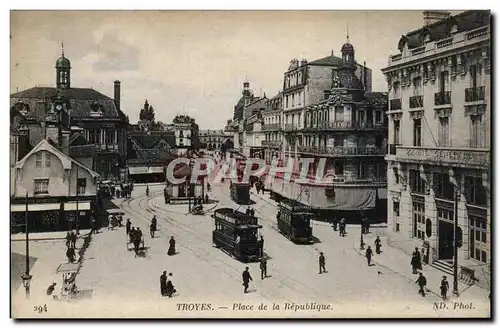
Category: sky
[194,62]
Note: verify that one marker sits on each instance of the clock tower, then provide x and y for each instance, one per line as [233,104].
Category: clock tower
[63,68]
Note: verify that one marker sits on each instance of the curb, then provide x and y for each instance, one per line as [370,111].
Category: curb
[51,238]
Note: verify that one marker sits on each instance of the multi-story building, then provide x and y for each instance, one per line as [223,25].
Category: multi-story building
[186,134]
[213,139]
[439,138]
[250,128]
[273,136]
[305,83]
[54,189]
[348,130]
[99,119]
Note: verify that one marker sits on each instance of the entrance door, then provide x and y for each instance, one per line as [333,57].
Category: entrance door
[445,240]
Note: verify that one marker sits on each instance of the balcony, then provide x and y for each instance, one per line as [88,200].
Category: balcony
[395,104]
[272,143]
[458,157]
[271,127]
[442,98]
[340,125]
[341,151]
[90,150]
[474,94]
[291,127]
[417,102]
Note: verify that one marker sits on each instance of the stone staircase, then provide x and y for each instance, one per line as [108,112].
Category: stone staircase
[443,265]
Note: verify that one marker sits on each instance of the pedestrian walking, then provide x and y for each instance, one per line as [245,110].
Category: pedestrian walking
[68,239]
[171,248]
[444,288]
[152,227]
[163,284]
[263,268]
[335,223]
[132,234]
[147,190]
[70,254]
[418,258]
[369,254]
[127,226]
[414,263]
[378,244]
[321,263]
[246,279]
[261,246]
[170,289]
[421,282]
[73,239]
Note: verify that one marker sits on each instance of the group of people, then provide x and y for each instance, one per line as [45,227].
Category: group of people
[71,238]
[259,186]
[250,211]
[341,226]
[135,235]
[166,285]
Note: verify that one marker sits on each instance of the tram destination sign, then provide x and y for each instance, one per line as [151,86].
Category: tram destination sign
[473,157]
[236,220]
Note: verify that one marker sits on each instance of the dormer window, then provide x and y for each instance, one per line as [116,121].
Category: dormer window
[95,109]
[454,29]
[427,38]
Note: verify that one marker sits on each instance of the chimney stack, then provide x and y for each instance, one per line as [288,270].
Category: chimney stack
[117,94]
[364,75]
[433,16]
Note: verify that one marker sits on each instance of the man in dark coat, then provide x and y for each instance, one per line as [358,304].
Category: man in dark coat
[171,248]
[378,244]
[127,226]
[170,290]
[261,246]
[421,282]
[369,254]
[163,284]
[322,263]
[444,288]
[263,268]
[68,238]
[246,279]
[132,234]
[206,199]
[418,258]
[152,227]
[70,254]
[73,240]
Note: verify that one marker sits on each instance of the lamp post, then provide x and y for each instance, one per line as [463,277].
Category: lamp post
[26,277]
[362,242]
[455,243]
[189,184]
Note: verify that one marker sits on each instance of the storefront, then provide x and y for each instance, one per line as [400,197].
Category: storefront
[146,174]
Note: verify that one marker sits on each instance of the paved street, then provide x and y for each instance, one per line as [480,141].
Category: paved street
[203,273]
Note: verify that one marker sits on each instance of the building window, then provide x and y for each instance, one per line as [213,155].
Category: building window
[397,128]
[417,132]
[41,186]
[361,170]
[444,131]
[443,188]
[38,159]
[476,132]
[338,141]
[339,114]
[417,184]
[444,82]
[395,206]
[110,136]
[417,83]
[378,117]
[82,184]
[396,175]
[339,167]
[475,193]
[419,220]
[478,249]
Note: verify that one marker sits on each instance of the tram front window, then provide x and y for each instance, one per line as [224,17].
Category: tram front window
[248,235]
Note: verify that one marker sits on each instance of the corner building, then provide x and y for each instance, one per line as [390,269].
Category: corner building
[439,139]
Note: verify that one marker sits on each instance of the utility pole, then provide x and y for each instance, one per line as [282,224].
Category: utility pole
[455,243]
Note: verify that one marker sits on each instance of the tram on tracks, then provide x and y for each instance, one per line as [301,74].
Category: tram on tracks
[294,221]
[240,192]
[236,233]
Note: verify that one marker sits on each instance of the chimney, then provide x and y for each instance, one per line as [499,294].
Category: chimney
[433,16]
[364,75]
[117,94]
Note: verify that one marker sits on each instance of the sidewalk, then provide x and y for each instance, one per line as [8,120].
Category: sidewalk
[54,235]
[397,261]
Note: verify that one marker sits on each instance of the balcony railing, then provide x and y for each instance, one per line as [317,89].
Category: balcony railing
[391,149]
[272,143]
[474,94]
[442,98]
[273,126]
[395,104]
[291,127]
[90,150]
[340,125]
[416,101]
[341,151]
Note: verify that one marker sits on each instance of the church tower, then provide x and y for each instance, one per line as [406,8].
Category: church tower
[63,68]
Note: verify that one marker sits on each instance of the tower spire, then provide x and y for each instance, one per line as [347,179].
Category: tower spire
[62,49]
[347,32]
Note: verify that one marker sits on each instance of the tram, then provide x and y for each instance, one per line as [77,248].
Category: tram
[236,234]
[240,192]
[294,221]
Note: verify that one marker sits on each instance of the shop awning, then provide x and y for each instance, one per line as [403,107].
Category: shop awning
[82,206]
[144,170]
[35,207]
[346,198]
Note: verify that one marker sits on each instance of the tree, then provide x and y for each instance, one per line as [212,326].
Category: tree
[147,112]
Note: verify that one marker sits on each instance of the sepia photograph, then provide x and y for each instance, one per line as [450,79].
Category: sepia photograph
[260,164]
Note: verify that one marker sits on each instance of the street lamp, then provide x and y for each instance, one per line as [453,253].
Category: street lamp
[455,243]
[361,242]
[189,184]
[26,276]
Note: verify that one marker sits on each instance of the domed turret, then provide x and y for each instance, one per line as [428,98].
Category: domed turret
[63,68]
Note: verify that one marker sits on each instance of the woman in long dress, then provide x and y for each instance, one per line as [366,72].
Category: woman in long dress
[171,248]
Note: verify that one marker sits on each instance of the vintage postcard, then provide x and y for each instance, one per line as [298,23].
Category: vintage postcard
[250,164]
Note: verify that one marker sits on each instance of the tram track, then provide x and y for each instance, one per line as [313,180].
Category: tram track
[202,254]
